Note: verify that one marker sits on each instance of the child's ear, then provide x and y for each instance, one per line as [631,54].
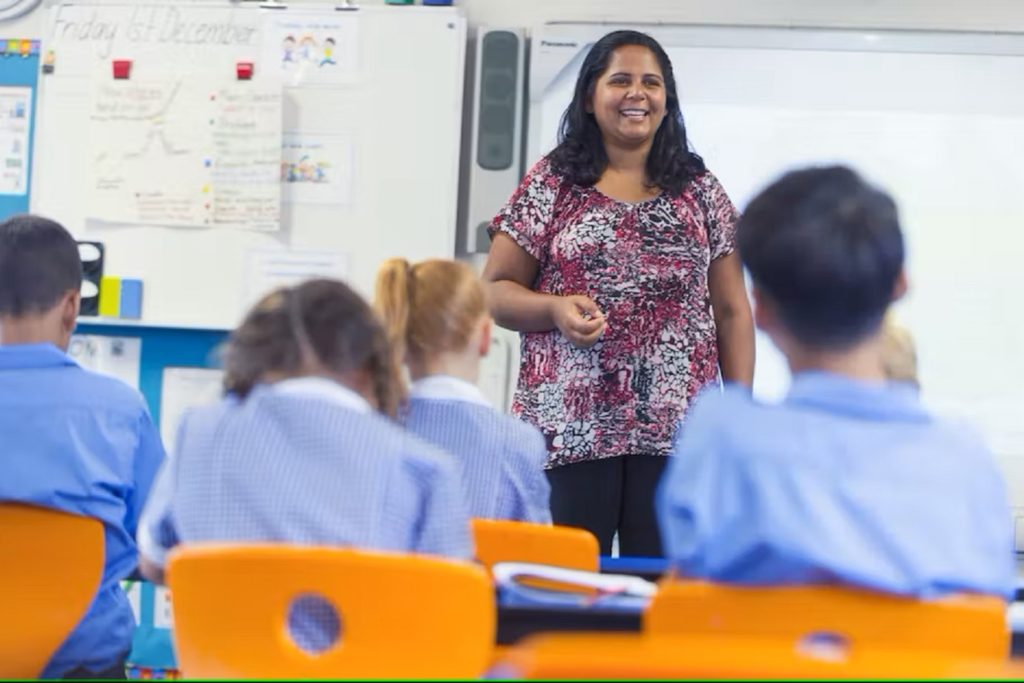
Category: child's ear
[486,329]
[900,287]
[71,305]
[68,307]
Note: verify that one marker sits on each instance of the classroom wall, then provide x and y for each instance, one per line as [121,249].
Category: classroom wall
[976,15]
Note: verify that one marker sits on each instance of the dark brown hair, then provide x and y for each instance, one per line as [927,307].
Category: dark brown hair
[39,264]
[319,324]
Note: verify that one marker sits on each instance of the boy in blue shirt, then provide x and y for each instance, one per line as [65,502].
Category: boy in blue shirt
[848,479]
[69,439]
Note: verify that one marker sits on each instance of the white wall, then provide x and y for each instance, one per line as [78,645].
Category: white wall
[975,15]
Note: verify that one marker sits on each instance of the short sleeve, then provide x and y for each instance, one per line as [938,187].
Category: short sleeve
[720,216]
[529,213]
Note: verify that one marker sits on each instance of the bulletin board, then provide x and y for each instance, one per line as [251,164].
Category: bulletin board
[168,168]
[19,67]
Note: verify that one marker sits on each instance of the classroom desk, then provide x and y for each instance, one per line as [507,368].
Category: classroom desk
[517,622]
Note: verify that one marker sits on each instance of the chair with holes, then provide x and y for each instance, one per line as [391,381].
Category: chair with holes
[964,625]
[511,541]
[397,615]
[51,570]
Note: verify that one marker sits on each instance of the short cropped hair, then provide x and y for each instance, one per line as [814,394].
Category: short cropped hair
[826,248]
[39,263]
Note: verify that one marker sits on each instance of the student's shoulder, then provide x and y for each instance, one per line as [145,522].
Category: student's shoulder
[208,416]
[524,441]
[722,408]
[107,393]
[722,421]
[421,459]
[960,439]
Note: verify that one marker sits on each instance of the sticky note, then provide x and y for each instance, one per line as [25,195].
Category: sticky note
[110,296]
[131,299]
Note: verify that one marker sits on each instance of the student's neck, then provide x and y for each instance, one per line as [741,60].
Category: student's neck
[28,330]
[464,366]
[862,362]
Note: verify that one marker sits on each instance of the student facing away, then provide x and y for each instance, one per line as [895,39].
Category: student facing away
[848,479]
[299,451]
[437,317]
[70,439]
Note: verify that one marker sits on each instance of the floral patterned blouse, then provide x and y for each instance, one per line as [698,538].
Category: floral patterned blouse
[645,265]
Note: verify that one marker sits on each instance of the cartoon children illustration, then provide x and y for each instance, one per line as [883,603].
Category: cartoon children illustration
[288,49]
[308,49]
[328,52]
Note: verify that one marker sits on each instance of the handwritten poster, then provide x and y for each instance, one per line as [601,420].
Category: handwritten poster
[182,153]
[316,169]
[313,49]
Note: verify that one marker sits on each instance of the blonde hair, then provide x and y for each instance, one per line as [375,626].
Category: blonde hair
[319,324]
[899,357]
[429,308]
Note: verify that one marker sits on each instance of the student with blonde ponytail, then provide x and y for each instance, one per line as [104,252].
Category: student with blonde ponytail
[299,450]
[438,323]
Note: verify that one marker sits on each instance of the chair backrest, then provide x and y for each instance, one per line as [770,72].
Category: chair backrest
[51,564]
[965,625]
[501,540]
[553,656]
[401,615]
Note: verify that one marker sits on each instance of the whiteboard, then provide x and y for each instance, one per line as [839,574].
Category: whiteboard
[937,119]
[387,119]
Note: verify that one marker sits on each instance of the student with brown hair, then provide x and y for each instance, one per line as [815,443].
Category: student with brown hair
[299,452]
[438,323]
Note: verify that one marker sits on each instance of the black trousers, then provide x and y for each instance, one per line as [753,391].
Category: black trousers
[609,495]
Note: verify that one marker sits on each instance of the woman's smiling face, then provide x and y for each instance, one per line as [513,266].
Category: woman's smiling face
[629,97]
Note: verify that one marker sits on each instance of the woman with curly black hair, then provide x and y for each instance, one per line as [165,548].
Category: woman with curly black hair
[614,259]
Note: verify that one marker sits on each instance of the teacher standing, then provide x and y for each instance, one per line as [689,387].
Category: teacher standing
[614,259]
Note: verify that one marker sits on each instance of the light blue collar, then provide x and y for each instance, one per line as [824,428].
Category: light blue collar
[21,356]
[447,388]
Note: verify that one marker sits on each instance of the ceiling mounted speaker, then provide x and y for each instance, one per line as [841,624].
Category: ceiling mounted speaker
[495,165]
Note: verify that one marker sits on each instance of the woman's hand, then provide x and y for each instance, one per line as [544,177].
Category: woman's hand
[579,319]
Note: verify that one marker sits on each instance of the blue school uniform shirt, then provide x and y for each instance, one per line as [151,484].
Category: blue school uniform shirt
[304,461]
[844,481]
[501,459]
[83,443]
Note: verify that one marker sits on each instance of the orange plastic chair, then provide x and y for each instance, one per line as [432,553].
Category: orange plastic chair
[502,540]
[401,615]
[965,625]
[641,656]
[50,573]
